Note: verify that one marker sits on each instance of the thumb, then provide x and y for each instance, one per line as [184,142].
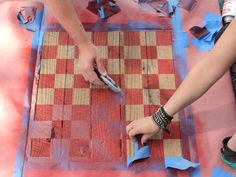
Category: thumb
[101,67]
[145,137]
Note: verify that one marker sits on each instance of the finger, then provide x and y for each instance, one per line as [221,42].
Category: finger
[130,126]
[85,77]
[134,131]
[100,66]
[93,78]
[145,138]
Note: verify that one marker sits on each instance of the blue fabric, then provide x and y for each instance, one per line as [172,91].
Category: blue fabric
[219,172]
[179,163]
[139,154]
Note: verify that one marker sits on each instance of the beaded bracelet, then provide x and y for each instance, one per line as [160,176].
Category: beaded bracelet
[162,119]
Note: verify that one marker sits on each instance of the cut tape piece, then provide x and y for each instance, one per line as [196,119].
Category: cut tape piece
[219,172]
[179,163]
[139,154]
[205,36]
[202,45]
[172,6]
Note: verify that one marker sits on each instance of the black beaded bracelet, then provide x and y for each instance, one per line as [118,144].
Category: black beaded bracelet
[162,119]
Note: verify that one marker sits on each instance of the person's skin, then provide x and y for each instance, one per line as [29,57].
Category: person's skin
[204,74]
[66,15]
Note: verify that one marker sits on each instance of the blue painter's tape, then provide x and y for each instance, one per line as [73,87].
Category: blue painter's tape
[101,12]
[171,4]
[213,24]
[211,17]
[139,154]
[219,172]
[182,70]
[203,45]
[36,43]
[179,163]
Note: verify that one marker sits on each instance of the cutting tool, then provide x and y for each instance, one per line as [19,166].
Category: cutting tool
[108,81]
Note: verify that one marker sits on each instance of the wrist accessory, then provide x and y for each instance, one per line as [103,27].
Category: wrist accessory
[162,119]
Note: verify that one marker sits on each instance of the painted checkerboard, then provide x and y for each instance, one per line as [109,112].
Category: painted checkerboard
[77,122]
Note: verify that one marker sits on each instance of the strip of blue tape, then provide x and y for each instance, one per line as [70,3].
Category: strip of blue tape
[180,62]
[179,163]
[139,154]
[213,24]
[219,172]
[36,45]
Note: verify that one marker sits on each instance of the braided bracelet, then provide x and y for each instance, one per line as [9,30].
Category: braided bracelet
[162,119]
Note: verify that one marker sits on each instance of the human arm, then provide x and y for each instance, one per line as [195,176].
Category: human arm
[66,15]
[204,74]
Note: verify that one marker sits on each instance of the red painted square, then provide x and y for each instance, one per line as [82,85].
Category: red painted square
[46,81]
[133,66]
[70,66]
[99,96]
[49,52]
[114,112]
[79,82]
[151,52]
[113,148]
[61,66]
[131,38]
[66,129]
[43,112]
[40,148]
[153,81]
[59,96]
[156,148]
[81,112]
[153,109]
[99,112]
[80,148]
[134,96]
[122,81]
[63,38]
[99,129]
[100,38]
[149,110]
[165,95]
[67,110]
[114,130]
[113,52]
[98,150]
[57,129]
[166,67]
[70,41]
[57,112]
[174,131]
[80,129]
[144,52]
[68,96]
[164,37]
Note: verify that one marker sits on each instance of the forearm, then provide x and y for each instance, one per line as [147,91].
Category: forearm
[66,15]
[206,72]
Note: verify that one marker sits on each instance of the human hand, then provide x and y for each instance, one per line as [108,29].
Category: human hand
[88,58]
[145,126]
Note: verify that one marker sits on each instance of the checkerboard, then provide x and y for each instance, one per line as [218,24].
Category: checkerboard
[82,123]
